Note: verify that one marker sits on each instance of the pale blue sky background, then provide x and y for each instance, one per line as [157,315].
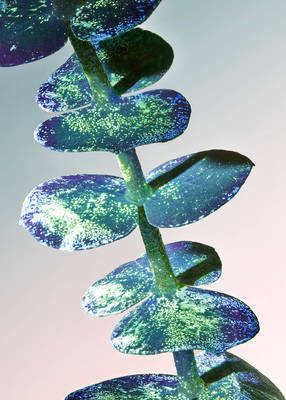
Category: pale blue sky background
[230,64]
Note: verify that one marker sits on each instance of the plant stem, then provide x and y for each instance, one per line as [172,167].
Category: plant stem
[94,72]
[138,191]
[163,276]
[191,386]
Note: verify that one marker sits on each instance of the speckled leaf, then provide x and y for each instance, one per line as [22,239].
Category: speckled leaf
[149,117]
[119,290]
[134,60]
[134,387]
[66,89]
[192,263]
[79,212]
[228,377]
[29,31]
[231,378]
[191,187]
[187,319]
[98,20]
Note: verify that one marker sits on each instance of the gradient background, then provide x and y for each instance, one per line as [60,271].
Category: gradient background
[230,63]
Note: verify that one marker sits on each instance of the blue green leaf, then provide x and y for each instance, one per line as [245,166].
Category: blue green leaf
[231,378]
[228,378]
[149,117]
[29,31]
[119,290]
[135,59]
[191,187]
[79,212]
[98,20]
[66,89]
[192,263]
[132,61]
[133,387]
[187,319]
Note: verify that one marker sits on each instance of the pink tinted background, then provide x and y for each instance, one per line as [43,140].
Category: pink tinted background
[230,64]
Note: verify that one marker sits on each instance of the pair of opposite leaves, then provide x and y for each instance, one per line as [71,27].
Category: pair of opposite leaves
[31,30]
[44,211]
[134,60]
[227,378]
[40,33]
[85,211]
[66,217]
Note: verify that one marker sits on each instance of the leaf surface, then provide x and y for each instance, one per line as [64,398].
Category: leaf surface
[132,61]
[100,19]
[29,31]
[135,59]
[150,117]
[193,263]
[79,212]
[228,376]
[187,319]
[191,187]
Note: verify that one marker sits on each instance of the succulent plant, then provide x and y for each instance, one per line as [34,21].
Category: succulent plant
[94,93]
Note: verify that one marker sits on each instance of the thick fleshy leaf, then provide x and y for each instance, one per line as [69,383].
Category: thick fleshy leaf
[29,31]
[150,117]
[133,60]
[228,377]
[119,290]
[66,89]
[79,212]
[98,20]
[191,187]
[133,387]
[192,263]
[186,319]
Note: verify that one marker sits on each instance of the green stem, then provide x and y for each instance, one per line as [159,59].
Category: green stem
[191,386]
[138,190]
[164,278]
[94,72]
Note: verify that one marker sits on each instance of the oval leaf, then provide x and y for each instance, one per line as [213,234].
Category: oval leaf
[228,377]
[231,378]
[29,31]
[133,387]
[192,263]
[79,212]
[119,290]
[98,20]
[187,319]
[135,59]
[191,187]
[66,89]
[149,117]
[132,61]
